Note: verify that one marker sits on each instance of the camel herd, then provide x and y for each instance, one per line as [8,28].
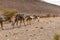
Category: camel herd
[18,18]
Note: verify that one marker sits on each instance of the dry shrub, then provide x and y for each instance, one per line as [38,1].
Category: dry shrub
[48,15]
[36,27]
[41,27]
[8,12]
[54,15]
[56,37]
[45,16]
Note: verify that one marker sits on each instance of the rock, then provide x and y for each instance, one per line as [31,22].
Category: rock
[6,35]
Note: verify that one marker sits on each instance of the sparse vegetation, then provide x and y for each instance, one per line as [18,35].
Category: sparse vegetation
[36,27]
[56,37]
[8,12]
[48,15]
[41,27]
[54,15]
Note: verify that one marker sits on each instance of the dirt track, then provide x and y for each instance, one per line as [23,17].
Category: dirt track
[33,31]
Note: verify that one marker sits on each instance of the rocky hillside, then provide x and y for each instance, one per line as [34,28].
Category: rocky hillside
[30,6]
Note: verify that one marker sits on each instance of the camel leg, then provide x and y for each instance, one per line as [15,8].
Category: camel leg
[38,20]
[2,25]
[24,22]
[30,21]
[17,23]
[20,22]
[27,22]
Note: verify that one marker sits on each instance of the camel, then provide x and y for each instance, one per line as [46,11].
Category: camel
[1,22]
[29,18]
[19,18]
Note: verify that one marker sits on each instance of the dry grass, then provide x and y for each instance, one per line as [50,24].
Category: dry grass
[8,12]
[56,37]
[41,27]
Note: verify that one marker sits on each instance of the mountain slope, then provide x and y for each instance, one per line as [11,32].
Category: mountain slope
[30,6]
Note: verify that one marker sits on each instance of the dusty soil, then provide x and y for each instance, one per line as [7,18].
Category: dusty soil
[43,30]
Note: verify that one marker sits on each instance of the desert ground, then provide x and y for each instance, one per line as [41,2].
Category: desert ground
[43,30]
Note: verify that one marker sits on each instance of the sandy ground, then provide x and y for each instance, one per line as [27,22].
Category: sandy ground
[33,31]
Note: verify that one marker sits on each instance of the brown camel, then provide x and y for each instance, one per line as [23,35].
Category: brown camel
[19,18]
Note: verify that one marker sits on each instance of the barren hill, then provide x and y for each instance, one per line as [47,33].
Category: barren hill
[30,6]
